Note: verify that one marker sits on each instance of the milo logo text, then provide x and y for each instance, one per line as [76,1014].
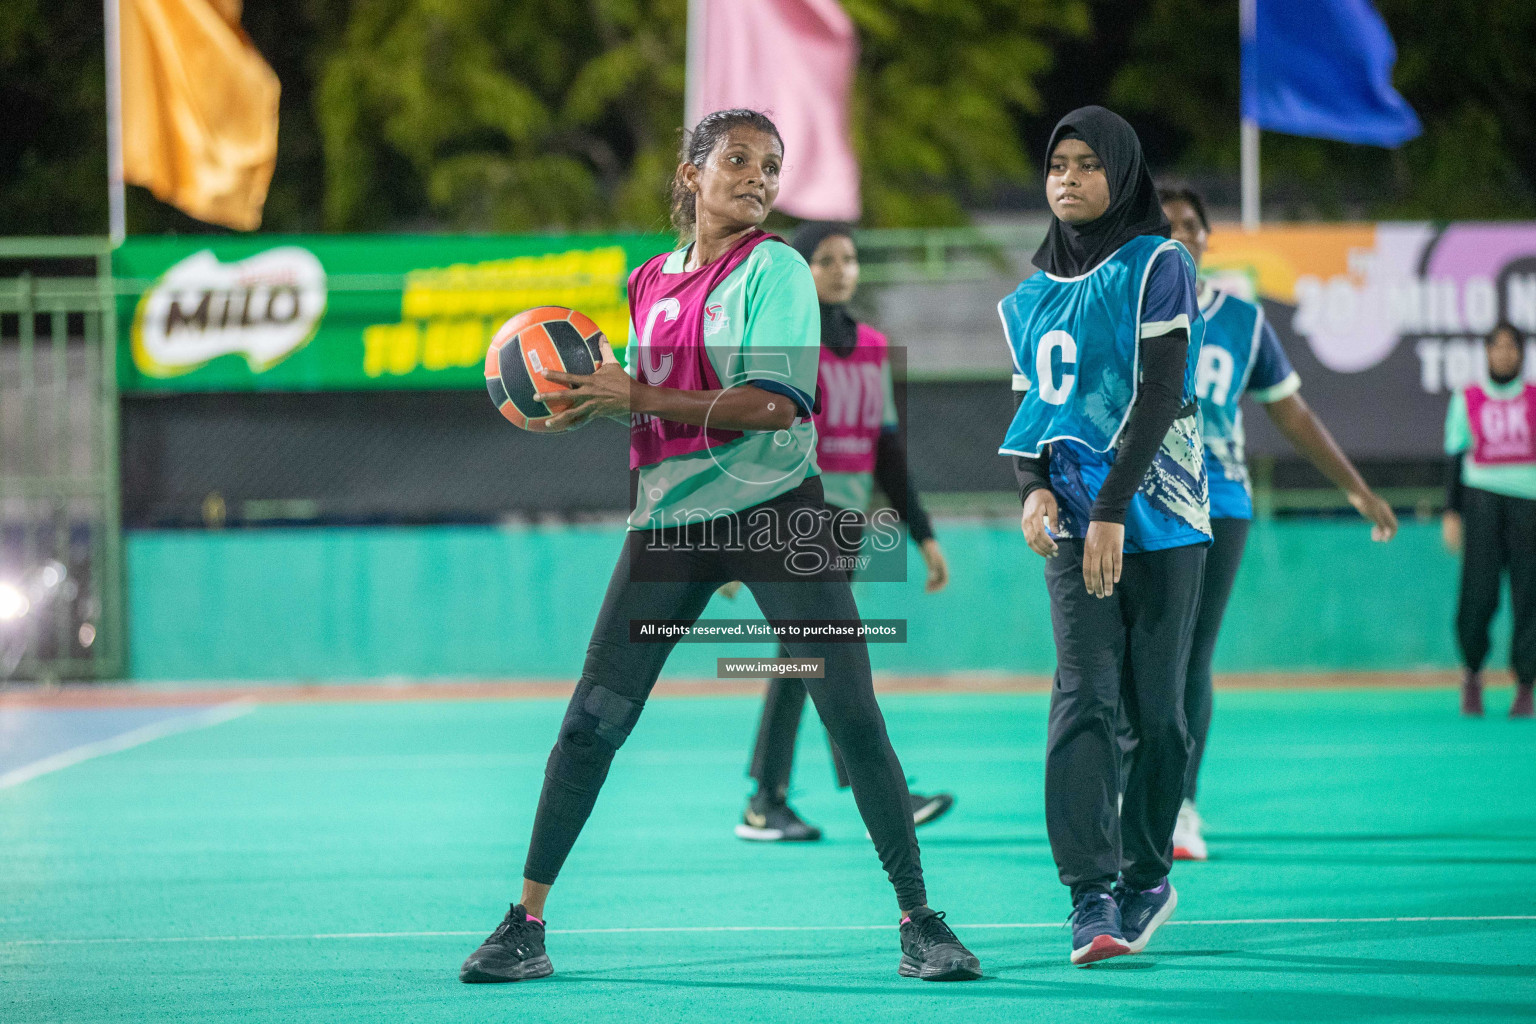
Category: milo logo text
[265,308]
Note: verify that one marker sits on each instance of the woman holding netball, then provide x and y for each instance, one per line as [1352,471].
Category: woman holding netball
[858,445]
[1107,447]
[722,368]
[1240,355]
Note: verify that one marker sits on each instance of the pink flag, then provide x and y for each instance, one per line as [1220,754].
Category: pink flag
[794,60]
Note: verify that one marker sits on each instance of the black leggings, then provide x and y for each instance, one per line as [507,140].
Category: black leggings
[773,755]
[1221,562]
[670,574]
[1499,535]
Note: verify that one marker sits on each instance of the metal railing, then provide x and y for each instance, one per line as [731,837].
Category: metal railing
[887,256]
[61,577]
[943,255]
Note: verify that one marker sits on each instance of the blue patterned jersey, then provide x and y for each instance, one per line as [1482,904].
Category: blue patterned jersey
[1076,347]
[1240,355]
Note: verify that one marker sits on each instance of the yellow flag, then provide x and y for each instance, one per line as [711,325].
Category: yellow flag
[199,109]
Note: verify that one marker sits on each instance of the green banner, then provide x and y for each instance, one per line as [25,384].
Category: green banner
[350,312]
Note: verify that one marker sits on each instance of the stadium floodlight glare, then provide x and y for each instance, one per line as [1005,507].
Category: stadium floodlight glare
[13,603]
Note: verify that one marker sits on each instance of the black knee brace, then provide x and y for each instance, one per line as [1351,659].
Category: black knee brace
[599,712]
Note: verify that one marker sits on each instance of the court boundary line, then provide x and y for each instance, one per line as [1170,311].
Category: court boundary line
[125,741]
[691,929]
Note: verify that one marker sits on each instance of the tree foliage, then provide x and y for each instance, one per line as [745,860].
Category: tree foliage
[1459,66]
[512,115]
[53,160]
[546,112]
[939,87]
[508,116]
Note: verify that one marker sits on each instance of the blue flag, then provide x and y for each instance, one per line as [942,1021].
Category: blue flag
[1323,68]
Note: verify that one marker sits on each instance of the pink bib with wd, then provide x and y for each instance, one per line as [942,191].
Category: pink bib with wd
[1503,429]
[852,405]
[669,312]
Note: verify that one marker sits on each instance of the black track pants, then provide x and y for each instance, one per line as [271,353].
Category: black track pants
[1131,648]
[675,584]
[1498,534]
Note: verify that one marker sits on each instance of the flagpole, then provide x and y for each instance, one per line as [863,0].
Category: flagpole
[1248,131]
[693,87]
[117,226]
[1250,174]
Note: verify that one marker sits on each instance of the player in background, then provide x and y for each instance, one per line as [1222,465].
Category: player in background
[1241,355]
[858,445]
[718,395]
[1490,513]
[1107,449]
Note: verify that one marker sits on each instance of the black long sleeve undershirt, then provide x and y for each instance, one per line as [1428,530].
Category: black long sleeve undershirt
[1158,403]
[892,476]
[1031,473]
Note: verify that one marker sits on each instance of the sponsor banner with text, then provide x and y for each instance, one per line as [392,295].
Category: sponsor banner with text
[343,313]
[1382,321]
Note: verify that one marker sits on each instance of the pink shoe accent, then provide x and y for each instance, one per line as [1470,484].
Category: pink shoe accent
[535,920]
[906,919]
[1102,948]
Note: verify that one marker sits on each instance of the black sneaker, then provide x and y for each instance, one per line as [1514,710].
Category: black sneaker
[514,952]
[930,808]
[929,950]
[766,821]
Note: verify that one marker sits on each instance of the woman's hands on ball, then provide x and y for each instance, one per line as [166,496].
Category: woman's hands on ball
[604,392]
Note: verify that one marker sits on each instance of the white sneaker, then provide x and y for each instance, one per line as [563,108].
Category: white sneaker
[1187,841]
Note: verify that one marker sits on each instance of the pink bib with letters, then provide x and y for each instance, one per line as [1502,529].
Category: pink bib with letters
[852,405]
[669,312]
[1503,429]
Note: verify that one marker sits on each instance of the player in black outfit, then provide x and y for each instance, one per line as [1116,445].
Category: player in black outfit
[724,188]
[829,249]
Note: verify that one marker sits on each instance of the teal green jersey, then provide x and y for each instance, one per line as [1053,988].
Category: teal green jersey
[762,327]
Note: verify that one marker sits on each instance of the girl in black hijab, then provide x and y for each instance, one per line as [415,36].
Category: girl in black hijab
[1112,478]
[1074,248]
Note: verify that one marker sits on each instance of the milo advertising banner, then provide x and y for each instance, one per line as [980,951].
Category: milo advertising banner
[343,313]
[1382,321]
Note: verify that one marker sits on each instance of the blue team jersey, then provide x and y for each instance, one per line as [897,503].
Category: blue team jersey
[1240,355]
[1076,347]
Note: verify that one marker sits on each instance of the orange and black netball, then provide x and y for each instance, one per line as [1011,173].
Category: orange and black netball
[544,338]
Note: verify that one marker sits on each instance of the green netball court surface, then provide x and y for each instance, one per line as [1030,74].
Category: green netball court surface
[1373,856]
